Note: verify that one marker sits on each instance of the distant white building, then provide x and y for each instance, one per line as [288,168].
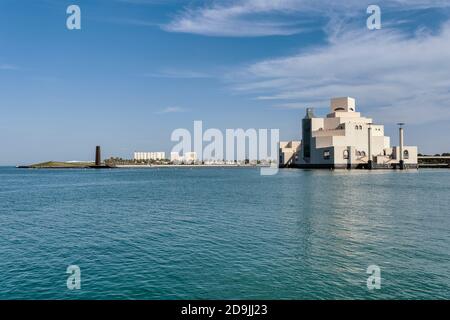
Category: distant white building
[188,157]
[145,156]
[345,139]
[175,157]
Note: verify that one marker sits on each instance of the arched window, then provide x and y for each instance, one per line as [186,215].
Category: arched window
[358,153]
[345,154]
[360,127]
[356,127]
[363,153]
[405,154]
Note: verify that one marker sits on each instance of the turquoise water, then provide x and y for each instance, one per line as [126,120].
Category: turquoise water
[224,234]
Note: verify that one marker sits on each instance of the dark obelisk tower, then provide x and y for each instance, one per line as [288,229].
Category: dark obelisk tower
[98,160]
[98,156]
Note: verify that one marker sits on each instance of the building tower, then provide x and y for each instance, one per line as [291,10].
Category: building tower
[307,134]
[98,156]
[369,147]
[401,146]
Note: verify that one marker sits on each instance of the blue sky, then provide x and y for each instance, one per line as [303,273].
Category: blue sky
[139,69]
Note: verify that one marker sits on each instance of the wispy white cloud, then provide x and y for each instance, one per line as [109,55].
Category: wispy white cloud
[291,106]
[237,18]
[248,18]
[394,77]
[171,110]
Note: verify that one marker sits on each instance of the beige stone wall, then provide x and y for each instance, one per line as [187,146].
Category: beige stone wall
[343,103]
[288,149]
[412,154]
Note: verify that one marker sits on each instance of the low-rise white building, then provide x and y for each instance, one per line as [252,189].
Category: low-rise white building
[145,156]
[175,157]
[187,157]
[345,139]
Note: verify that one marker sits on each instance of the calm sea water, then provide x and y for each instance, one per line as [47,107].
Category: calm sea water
[224,234]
